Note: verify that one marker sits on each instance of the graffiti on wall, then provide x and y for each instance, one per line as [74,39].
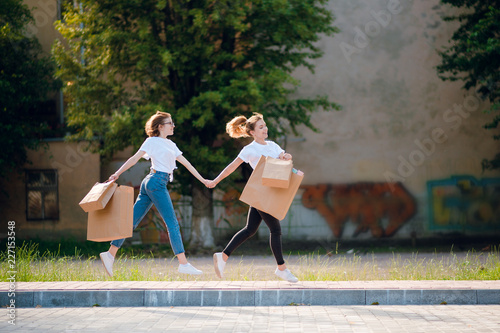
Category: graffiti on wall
[367,205]
[463,203]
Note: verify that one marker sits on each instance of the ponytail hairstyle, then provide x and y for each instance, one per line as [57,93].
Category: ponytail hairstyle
[240,127]
[154,122]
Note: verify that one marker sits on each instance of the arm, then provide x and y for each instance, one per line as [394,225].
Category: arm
[191,169]
[226,172]
[127,165]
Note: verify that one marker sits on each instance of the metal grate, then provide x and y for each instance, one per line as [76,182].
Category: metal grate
[42,202]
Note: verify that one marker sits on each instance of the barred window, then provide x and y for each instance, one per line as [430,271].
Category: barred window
[42,197]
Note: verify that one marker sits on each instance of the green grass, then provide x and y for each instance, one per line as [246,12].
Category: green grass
[474,266]
[33,264]
[471,266]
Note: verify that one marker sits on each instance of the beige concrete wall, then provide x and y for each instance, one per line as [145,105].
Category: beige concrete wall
[399,122]
[78,171]
[45,14]
[391,97]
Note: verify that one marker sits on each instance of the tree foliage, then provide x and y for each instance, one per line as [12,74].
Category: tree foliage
[474,55]
[203,61]
[25,80]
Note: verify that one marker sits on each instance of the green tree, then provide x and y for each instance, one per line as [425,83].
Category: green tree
[202,61]
[474,55]
[25,81]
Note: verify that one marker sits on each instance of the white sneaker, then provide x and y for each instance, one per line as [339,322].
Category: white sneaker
[189,269]
[107,261]
[286,275]
[219,264]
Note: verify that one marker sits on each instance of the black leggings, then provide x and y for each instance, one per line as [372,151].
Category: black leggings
[254,219]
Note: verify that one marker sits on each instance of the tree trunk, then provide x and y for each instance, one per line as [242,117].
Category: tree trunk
[202,220]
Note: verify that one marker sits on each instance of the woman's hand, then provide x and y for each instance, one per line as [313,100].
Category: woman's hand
[286,156]
[211,184]
[112,178]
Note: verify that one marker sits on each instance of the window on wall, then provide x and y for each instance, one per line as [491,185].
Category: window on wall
[42,197]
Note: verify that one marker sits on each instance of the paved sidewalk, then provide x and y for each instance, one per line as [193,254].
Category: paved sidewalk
[289,319]
[248,293]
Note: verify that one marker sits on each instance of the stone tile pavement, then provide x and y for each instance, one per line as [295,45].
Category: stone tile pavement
[290,319]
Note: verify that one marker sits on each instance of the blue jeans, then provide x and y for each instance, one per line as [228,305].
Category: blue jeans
[154,191]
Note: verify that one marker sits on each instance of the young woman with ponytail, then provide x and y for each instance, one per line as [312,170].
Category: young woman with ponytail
[256,128]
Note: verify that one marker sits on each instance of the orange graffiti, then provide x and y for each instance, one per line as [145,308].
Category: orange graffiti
[364,204]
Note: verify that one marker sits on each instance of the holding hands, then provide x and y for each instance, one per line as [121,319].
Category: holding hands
[211,183]
[112,178]
[207,183]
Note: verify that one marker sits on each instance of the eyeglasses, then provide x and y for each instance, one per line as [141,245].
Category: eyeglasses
[169,123]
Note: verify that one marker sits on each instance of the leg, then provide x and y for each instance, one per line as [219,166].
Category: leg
[163,204]
[274,238]
[182,258]
[141,207]
[113,250]
[157,191]
[275,241]
[253,221]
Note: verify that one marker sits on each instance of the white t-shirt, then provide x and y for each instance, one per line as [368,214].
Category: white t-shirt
[252,152]
[162,152]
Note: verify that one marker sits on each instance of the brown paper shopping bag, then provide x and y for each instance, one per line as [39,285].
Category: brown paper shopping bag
[272,200]
[277,173]
[98,196]
[115,221]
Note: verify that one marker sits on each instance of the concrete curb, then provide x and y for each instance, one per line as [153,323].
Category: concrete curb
[251,294]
